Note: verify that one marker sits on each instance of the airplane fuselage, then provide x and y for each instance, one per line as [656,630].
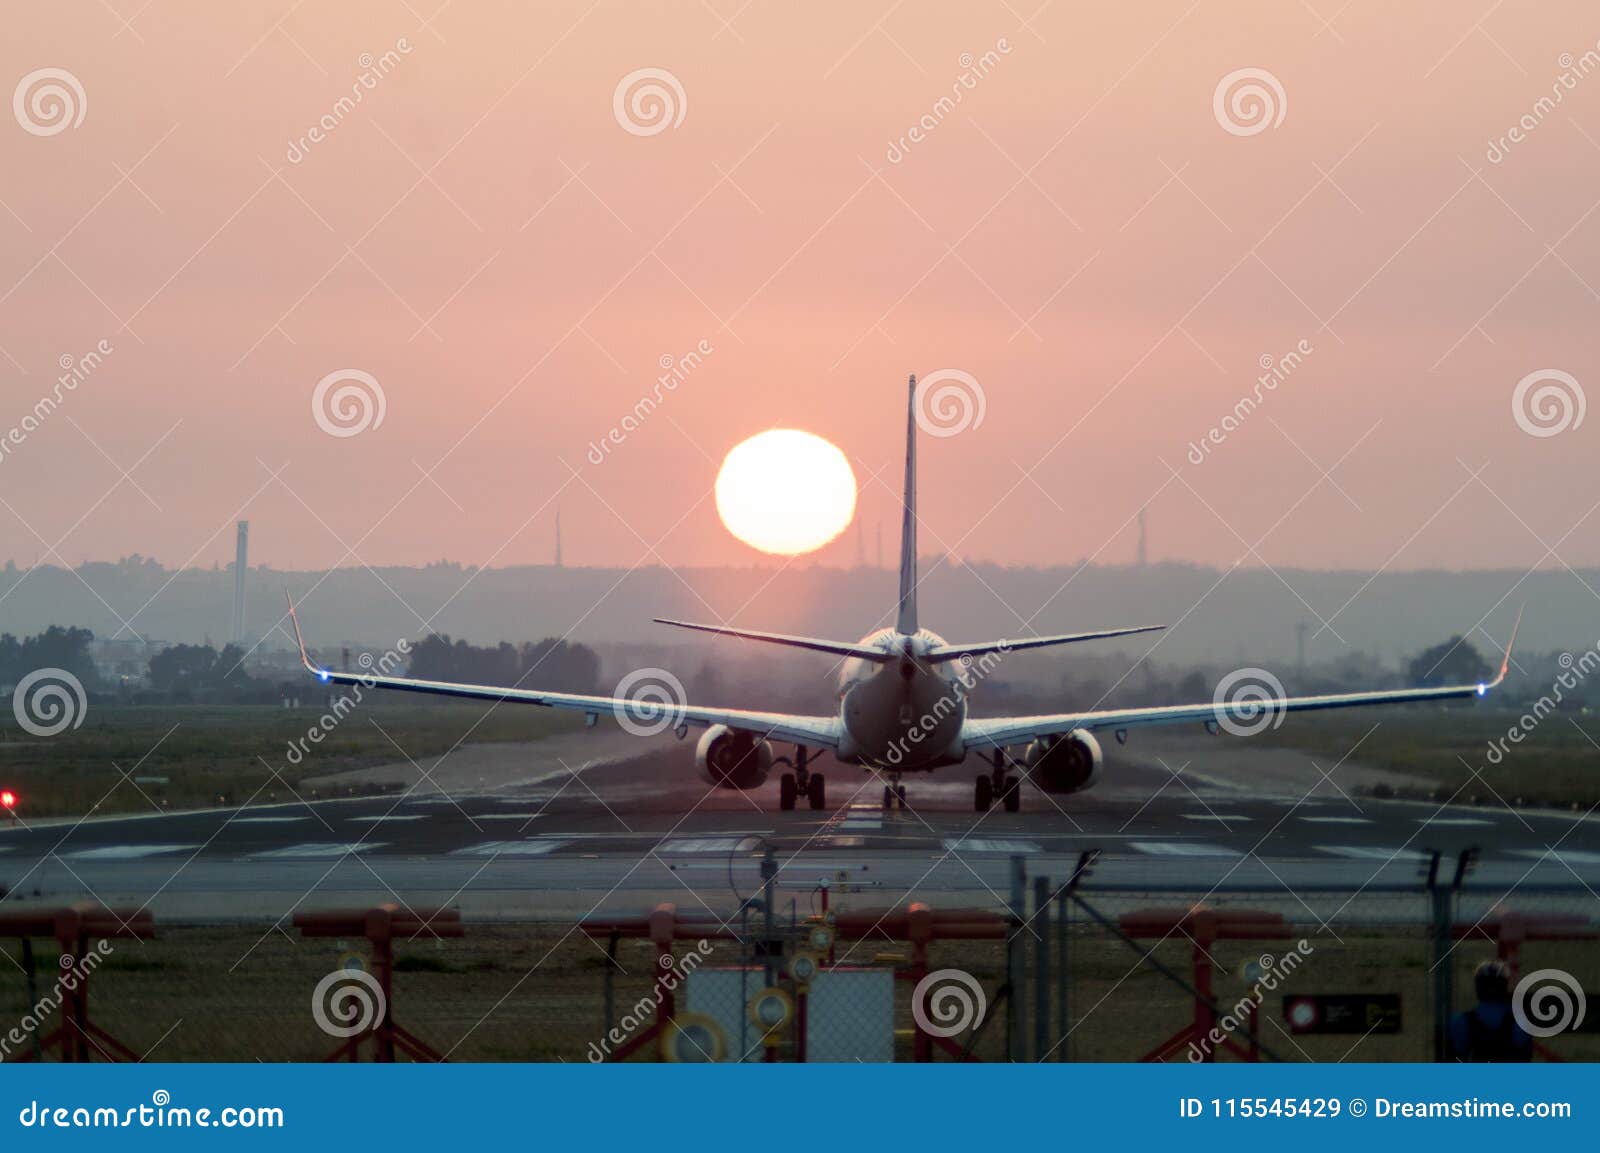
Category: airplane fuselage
[904,715]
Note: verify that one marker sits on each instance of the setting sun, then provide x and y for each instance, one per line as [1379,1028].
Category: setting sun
[785,491]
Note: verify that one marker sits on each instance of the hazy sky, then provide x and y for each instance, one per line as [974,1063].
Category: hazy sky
[1106,249]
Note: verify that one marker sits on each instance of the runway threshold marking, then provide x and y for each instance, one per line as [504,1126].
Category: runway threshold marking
[709,845]
[316,850]
[1182,849]
[1369,852]
[126,852]
[989,845]
[1571,856]
[539,847]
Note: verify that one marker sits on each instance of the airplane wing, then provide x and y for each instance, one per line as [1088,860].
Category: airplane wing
[816,732]
[1000,732]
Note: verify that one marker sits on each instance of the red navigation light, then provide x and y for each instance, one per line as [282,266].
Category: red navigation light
[8,799]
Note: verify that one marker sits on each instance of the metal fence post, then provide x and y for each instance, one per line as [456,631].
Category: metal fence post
[1041,967]
[1016,959]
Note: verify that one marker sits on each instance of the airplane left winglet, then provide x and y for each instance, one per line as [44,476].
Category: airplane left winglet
[305,657]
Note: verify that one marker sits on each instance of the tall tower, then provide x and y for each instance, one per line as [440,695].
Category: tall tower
[241,561]
[861,546]
[558,538]
[1144,555]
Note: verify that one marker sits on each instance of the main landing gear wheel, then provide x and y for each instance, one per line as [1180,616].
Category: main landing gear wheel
[1013,795]
[786,792]
[816,791]
[982,795]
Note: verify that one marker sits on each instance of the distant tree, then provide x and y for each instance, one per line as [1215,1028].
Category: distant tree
[56,647]
[183,669]
[550,664]
[1455,662]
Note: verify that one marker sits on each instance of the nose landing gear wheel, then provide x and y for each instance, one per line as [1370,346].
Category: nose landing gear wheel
[900,795]
[816,791]
[983,795]
[786,792]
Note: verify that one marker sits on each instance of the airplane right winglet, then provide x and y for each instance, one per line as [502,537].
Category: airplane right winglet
[1505,661]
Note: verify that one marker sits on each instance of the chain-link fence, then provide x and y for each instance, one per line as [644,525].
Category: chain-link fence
[1070,972]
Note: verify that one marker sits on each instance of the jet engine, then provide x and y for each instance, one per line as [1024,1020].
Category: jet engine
[731,759]
[1066,764]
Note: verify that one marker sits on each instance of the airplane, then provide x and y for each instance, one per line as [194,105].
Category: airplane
[903,704]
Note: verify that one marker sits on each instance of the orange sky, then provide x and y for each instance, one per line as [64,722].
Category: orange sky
[1080,234]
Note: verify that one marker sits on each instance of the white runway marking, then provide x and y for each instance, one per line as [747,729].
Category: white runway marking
[267,820]
[1369,852]
[988,845]
[1338,820]
[312,851]
[1182,849]
[388,817]
[1222,817]
[1462,822]
[537,848]
[506,816]
[127,852]
[1570,856]
[709,845]
[860,823]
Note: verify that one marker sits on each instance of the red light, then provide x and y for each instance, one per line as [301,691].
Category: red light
[8,799]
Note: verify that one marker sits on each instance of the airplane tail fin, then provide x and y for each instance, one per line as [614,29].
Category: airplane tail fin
[906,622]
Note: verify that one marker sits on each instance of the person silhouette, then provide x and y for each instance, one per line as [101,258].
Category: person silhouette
[1489,1032]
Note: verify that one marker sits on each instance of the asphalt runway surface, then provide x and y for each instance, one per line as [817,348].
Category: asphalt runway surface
[620,837]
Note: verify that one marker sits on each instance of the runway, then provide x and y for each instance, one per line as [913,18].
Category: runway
[622,836]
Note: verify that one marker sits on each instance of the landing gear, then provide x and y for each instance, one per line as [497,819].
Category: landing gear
[998,784]
[894,792]
[801,783]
